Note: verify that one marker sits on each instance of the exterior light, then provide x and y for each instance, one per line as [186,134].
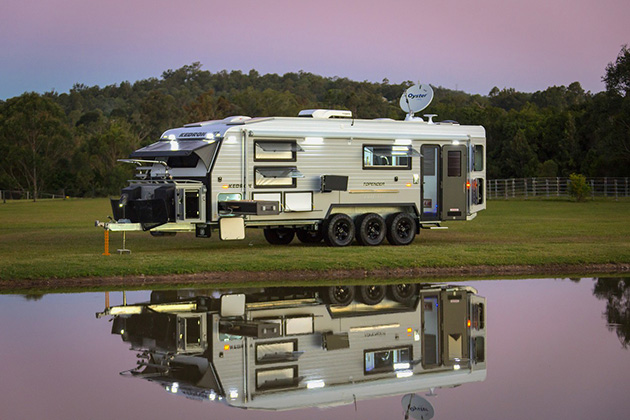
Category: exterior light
[314,140]
[401,366]
[402,142]
[455,142]
[226,347]
[404,374]
[315,384]
[233,394]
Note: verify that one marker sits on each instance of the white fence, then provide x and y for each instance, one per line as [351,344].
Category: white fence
[554,187]
[26,195]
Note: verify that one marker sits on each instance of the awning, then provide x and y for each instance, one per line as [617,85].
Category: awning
[279,146]
[168,148]
[280,172]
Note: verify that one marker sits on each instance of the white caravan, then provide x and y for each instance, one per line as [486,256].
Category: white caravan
[321,175]
[284,349]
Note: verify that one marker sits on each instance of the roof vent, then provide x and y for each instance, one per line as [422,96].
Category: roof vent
[236,119]
[325,113]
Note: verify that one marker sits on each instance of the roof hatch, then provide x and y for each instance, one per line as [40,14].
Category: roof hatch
[325,113]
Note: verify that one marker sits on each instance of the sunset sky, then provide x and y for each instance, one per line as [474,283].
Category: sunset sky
[470,45]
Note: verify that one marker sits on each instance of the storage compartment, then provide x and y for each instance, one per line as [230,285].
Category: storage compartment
[334,183]
[258,208]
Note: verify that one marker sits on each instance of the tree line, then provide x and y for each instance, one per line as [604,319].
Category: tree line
[71,141]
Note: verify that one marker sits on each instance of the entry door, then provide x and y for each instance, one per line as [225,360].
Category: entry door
[430,182]
[454,170]
[455,347]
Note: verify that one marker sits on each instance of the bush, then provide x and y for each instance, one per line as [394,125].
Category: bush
[578,187]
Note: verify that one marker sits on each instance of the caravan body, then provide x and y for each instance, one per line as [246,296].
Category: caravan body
[289,352]
[320,175]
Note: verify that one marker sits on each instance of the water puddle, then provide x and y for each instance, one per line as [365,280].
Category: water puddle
[518,349]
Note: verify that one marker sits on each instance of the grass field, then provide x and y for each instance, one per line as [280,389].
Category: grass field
[57,239]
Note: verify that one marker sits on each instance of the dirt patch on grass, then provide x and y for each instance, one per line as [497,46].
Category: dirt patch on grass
[320,277]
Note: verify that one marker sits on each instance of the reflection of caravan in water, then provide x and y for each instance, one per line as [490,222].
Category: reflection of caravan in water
[282,351]
[323,175]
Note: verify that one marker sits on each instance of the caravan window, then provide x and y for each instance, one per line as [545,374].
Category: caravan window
[276,176]
[276,150]
[478,158]
[387,360]
[454,163]
[387,157]
[189,161]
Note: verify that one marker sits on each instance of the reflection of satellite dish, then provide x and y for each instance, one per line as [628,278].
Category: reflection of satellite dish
[417,407]
[416,98]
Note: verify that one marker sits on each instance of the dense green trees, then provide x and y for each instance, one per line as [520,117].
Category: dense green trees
[71,141]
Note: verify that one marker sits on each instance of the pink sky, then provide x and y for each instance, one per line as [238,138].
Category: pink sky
[469,45]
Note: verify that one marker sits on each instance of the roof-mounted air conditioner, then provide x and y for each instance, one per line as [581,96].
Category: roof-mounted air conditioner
[325,113]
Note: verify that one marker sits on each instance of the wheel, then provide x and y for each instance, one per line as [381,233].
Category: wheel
[370,229]
[401,229]
[371,295]
[338,295]
[402,292]
[279,236]
[309,236]
[339,230]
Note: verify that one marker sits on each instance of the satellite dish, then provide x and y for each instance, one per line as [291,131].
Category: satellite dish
[417,407]
[416,98]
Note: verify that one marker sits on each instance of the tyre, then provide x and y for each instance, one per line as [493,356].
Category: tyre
[370,229]
[401,229]
[338,295]
[339,230]
[279,236]
[371,295]
[402,292]
[309,236]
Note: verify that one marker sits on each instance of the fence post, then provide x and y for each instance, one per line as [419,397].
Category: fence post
[592,189]
[616,195]
[626,186]
[513,189]
[605,186]
[496,194]
[525,182]
[547,186]
[534,187]
[506,194]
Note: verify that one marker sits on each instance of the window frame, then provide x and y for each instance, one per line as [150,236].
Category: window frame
[293,184]
[409,156]
[481,155]
[295,147]
[385,369]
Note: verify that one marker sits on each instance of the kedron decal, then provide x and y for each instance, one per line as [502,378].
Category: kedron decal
[192,135]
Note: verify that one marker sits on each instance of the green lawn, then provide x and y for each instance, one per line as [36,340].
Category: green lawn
[57,239]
